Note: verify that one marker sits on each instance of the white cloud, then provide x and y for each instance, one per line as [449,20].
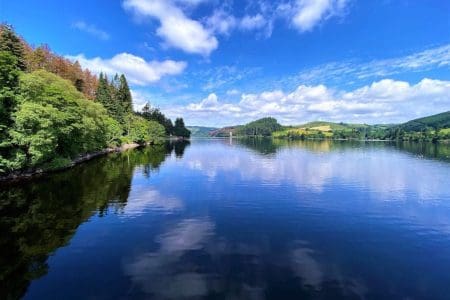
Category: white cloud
[233,92]
[222,76]
[192,2]
[309,13]
[140,99]
[383,101]
[253,22]
[91,29]
[221,22]
[176,29]
[179,30]
[137,70]
[211,104]
[339,71]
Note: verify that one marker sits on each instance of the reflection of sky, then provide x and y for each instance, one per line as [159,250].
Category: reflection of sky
[193,256]
[143,199]
[168,273]
[162,273]
[227,222]
[389,174]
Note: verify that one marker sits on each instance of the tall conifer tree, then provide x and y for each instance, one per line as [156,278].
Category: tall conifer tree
[11,43]
[103,94]
[124,95]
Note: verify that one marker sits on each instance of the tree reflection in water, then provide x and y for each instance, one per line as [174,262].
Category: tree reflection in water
[40,216]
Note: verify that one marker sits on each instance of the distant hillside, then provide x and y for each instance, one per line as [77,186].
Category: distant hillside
[434,122]
[328,126]
[225,131]
[261,127]
[431,128]
[321,129]
[200,131]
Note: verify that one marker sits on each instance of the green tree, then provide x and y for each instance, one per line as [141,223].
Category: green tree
[103,95]
[11,43]
[107,95]
[154,114]
[55,123]
[180,130]
[124,95]
[142,131]
[262,127]
[9,84]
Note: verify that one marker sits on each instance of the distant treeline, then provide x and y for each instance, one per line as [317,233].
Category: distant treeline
[51,110]
[433,128]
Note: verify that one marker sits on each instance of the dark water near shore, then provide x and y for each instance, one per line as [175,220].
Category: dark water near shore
[248,219]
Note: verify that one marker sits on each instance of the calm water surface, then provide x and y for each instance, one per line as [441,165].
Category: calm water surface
[249,219]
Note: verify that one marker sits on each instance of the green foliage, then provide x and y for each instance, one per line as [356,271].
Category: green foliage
[115,96]
[12,44]
[156,132]
[261,127]
[53,121]
[46,121]
[180,130]
[124,95]
[142,131]
[433,128]
[154,114]
[9,87]
[9,83]
[106,95]
[434,122]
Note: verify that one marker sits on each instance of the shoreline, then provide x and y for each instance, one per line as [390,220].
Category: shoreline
[16,176]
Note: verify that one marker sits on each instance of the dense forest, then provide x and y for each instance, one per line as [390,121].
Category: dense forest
[261,127]
[52,111]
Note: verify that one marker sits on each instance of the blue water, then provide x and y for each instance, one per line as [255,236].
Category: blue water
[221,219]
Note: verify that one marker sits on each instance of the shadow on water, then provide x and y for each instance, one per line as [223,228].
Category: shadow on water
[38,217]
[269,146]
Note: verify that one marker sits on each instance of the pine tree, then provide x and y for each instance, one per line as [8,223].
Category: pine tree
[124,95]
[180,130]
[117,111]
[11,43]
[107,94]
[103,94]
[115,82]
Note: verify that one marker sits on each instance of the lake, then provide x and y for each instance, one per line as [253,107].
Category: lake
[234,219]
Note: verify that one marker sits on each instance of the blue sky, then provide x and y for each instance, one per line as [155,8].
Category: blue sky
[227,62]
